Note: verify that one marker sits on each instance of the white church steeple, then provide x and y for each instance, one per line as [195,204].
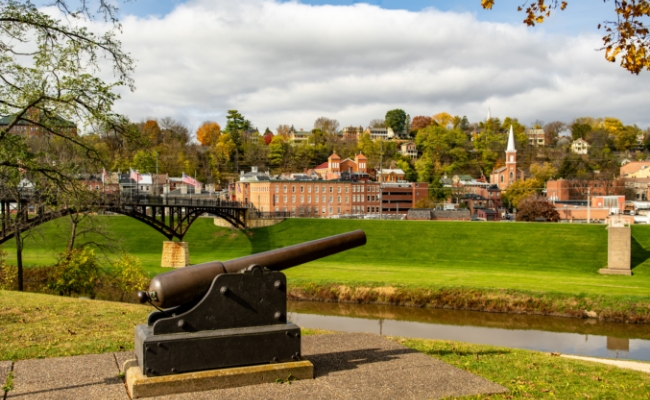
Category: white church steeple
[511,142]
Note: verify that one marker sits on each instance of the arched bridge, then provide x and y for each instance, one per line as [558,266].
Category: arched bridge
[170,216]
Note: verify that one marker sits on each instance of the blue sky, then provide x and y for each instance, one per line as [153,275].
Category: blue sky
[580,16]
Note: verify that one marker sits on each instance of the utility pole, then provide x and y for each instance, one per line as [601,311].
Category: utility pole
[155,185]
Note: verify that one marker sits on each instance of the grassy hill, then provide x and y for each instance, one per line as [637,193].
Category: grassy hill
[558,258]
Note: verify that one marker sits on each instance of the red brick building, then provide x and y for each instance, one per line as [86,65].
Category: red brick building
[398,198]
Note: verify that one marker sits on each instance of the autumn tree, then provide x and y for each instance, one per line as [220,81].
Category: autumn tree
[420,122]
[283,130]
[542,172]
[377,123]
[534,208]
[326,125]
[552,131]
[626,36]
[443,119]
[208,133]
[520,190]
[268,136]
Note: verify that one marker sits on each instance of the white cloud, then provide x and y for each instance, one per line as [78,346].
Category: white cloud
[291,63]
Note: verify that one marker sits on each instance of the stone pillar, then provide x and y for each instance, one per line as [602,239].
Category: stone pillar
[619,248]
[175,255]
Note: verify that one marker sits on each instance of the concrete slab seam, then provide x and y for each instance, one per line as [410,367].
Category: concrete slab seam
[119,373]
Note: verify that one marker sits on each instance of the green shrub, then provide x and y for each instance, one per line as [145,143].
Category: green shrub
[77,272]
[128,276]
[8,273]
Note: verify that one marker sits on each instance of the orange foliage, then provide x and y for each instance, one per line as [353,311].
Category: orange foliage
[208,133]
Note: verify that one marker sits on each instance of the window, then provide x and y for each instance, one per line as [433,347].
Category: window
[293,189]
[331,200]
[316,189]
[324,190]
[338,210]
[308,189]
[511,175]
[324,199]
[347,199]
[293,198]
[323,210]
[331,189]
[347,189]
[277,189]
[276,199]
[338,200]
[316,198]
[308,199]
[302,189]
[302,199]
[284,199]
[277,209]
[501,177]
[339,189]
[285,188]
[362,189]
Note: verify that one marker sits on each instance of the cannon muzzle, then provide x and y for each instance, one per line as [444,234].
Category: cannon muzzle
[185,285]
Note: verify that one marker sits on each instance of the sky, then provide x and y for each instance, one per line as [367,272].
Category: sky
[291,62]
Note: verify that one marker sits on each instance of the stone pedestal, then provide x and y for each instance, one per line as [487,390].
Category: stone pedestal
[175,255]
[140,386]
[619,248]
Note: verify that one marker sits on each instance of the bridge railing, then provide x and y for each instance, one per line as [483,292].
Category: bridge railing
[129,199]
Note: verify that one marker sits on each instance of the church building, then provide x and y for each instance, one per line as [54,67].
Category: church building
[505,176]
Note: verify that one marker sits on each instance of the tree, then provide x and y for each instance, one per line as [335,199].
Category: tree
[326,125]
[396,120]
[580,131]
[534,208]
[128,275]
[377,123]
[552,131]
[283,130]
[420,122]
[543,171]
[208,133]
[443,119]
[151,130]
[47,81]
[520,190]
[235,125]
[277,150]
[625,36]
[268,136]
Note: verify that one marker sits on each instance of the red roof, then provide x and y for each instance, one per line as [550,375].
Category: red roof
[335,156]
[324,165]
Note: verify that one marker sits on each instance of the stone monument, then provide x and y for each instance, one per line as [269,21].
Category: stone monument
[619,248]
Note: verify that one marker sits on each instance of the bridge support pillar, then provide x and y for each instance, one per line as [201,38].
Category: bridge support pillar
[175,255]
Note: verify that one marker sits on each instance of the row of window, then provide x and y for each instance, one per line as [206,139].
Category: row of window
[355,189]
[323,210]
[355,199]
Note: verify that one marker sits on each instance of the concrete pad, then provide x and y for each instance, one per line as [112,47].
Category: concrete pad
[123,357]
[637,366]
[363,366]
[140,386]
[5,368]
[612,271]
[82,377]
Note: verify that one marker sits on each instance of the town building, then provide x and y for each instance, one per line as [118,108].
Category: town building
[409,150]
[505,176]
[574,189]
[30,129]
[536,137]
[352,133]
[580,146]
[399,198]
[299,136]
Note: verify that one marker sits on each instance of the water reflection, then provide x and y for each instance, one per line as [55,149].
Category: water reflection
[549,334]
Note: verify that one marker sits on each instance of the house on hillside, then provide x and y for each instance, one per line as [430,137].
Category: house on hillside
[580,146]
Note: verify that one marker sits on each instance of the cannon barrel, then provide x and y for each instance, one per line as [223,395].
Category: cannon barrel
[182,286]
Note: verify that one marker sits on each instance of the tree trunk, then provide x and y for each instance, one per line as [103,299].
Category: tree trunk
[73,235]
[19,256]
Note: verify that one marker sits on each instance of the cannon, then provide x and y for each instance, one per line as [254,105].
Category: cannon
[227,314]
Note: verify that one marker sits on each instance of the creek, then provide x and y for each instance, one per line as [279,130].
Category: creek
[585,337]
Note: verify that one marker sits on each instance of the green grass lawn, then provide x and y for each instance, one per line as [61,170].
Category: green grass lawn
[41,326]
[558,258]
